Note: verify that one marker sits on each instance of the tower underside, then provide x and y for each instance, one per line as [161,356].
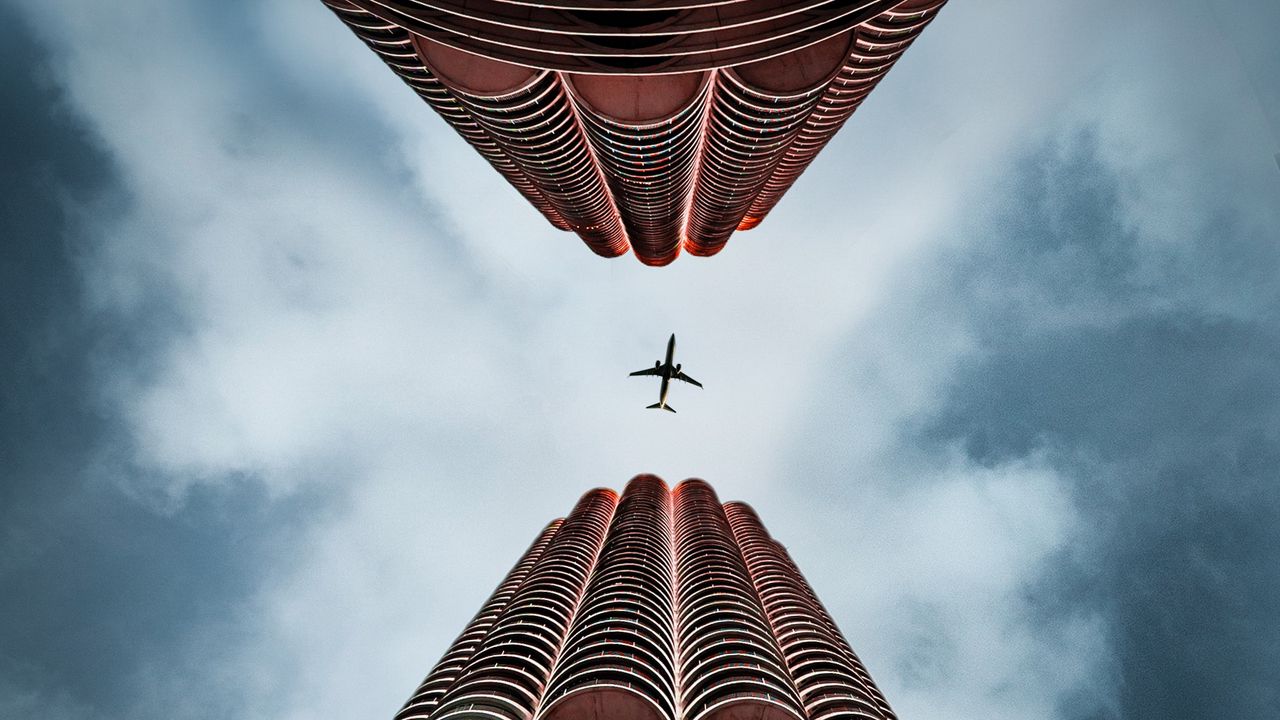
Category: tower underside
[656,127]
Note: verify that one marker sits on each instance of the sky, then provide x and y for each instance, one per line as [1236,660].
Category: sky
[289,376]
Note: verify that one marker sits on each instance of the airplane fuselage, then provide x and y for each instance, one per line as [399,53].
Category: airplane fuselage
[666,370]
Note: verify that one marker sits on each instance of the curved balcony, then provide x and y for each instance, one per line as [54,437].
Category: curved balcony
[799,622]
[847,713]
[601,699]
[743,683]
[507,681]
[616,602]
[539,610]
[734,655]
[723,595]
[632,585]
[746,704]
[713,680]
[553,599]
[523,631]
[478,710]
[826,700]
[703,641]
[625,673]
[517,663]
[646,649]
[830,701]
[508,701]
[569,572]
[628,629]
[634,658]
[718,608]
[819,666]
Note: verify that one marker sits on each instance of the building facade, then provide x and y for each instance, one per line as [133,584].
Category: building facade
[655,126]
[659,604]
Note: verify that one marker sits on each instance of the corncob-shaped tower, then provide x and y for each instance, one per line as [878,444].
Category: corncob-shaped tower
[656,605]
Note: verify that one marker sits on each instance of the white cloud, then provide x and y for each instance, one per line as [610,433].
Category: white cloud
[933,585]
[364,306]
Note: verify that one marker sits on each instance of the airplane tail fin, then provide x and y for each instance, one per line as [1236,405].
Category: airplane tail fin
[657,405]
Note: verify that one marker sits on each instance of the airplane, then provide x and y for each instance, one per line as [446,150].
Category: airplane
[668,372]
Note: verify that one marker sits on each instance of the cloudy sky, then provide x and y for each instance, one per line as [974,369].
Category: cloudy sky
[289,376]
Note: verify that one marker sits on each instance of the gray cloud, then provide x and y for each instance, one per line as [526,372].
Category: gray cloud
[1166,418]
[310,374]
[98,588]
[1135,367]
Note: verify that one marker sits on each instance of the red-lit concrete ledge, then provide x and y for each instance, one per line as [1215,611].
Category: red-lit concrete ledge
[657,604]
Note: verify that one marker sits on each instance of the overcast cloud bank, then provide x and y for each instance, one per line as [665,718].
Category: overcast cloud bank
[287,345]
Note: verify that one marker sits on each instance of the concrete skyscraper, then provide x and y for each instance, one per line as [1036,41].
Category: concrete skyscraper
[656,605]
[651,125]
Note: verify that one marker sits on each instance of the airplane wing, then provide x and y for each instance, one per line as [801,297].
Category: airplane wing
[647,371]
[686,378]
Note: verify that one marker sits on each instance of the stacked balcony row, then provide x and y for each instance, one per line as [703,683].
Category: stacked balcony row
[530,115]
[729,654]
[621,648]
[657,163]
[830,679]
[395,46]
[758,110]
[506,676]
[446,672]
[878,43]
[656,605]
[647,133]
